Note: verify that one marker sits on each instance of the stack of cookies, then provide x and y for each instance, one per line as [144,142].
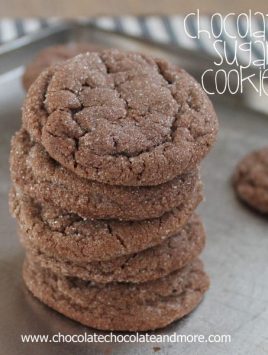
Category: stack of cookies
[105,183]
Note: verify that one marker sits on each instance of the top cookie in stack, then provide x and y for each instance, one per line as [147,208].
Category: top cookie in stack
[106,180]
[121,118]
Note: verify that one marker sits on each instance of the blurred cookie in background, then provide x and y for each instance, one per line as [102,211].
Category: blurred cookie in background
[53,55]
[250,180]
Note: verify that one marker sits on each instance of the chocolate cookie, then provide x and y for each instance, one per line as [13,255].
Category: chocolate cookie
[63,235]
[120,306]
[51,56]
[47,181]
[251,180]
[121,118]
[153,263]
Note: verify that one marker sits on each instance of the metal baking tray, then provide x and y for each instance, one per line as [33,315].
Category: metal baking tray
[236,255]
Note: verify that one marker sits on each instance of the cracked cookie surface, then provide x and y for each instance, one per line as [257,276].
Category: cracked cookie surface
[153,263]
[120,306]
[45,180]
[51,56]
[121,118]
[251,179]
[64,235]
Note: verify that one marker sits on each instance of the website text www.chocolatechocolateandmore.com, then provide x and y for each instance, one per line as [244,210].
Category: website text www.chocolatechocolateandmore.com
[125,338]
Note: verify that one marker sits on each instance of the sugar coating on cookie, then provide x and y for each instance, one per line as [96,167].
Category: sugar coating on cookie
[251,179]
[45,180]
[120,306]
[121,118]
[50,56]
[153,263]
[63,235]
